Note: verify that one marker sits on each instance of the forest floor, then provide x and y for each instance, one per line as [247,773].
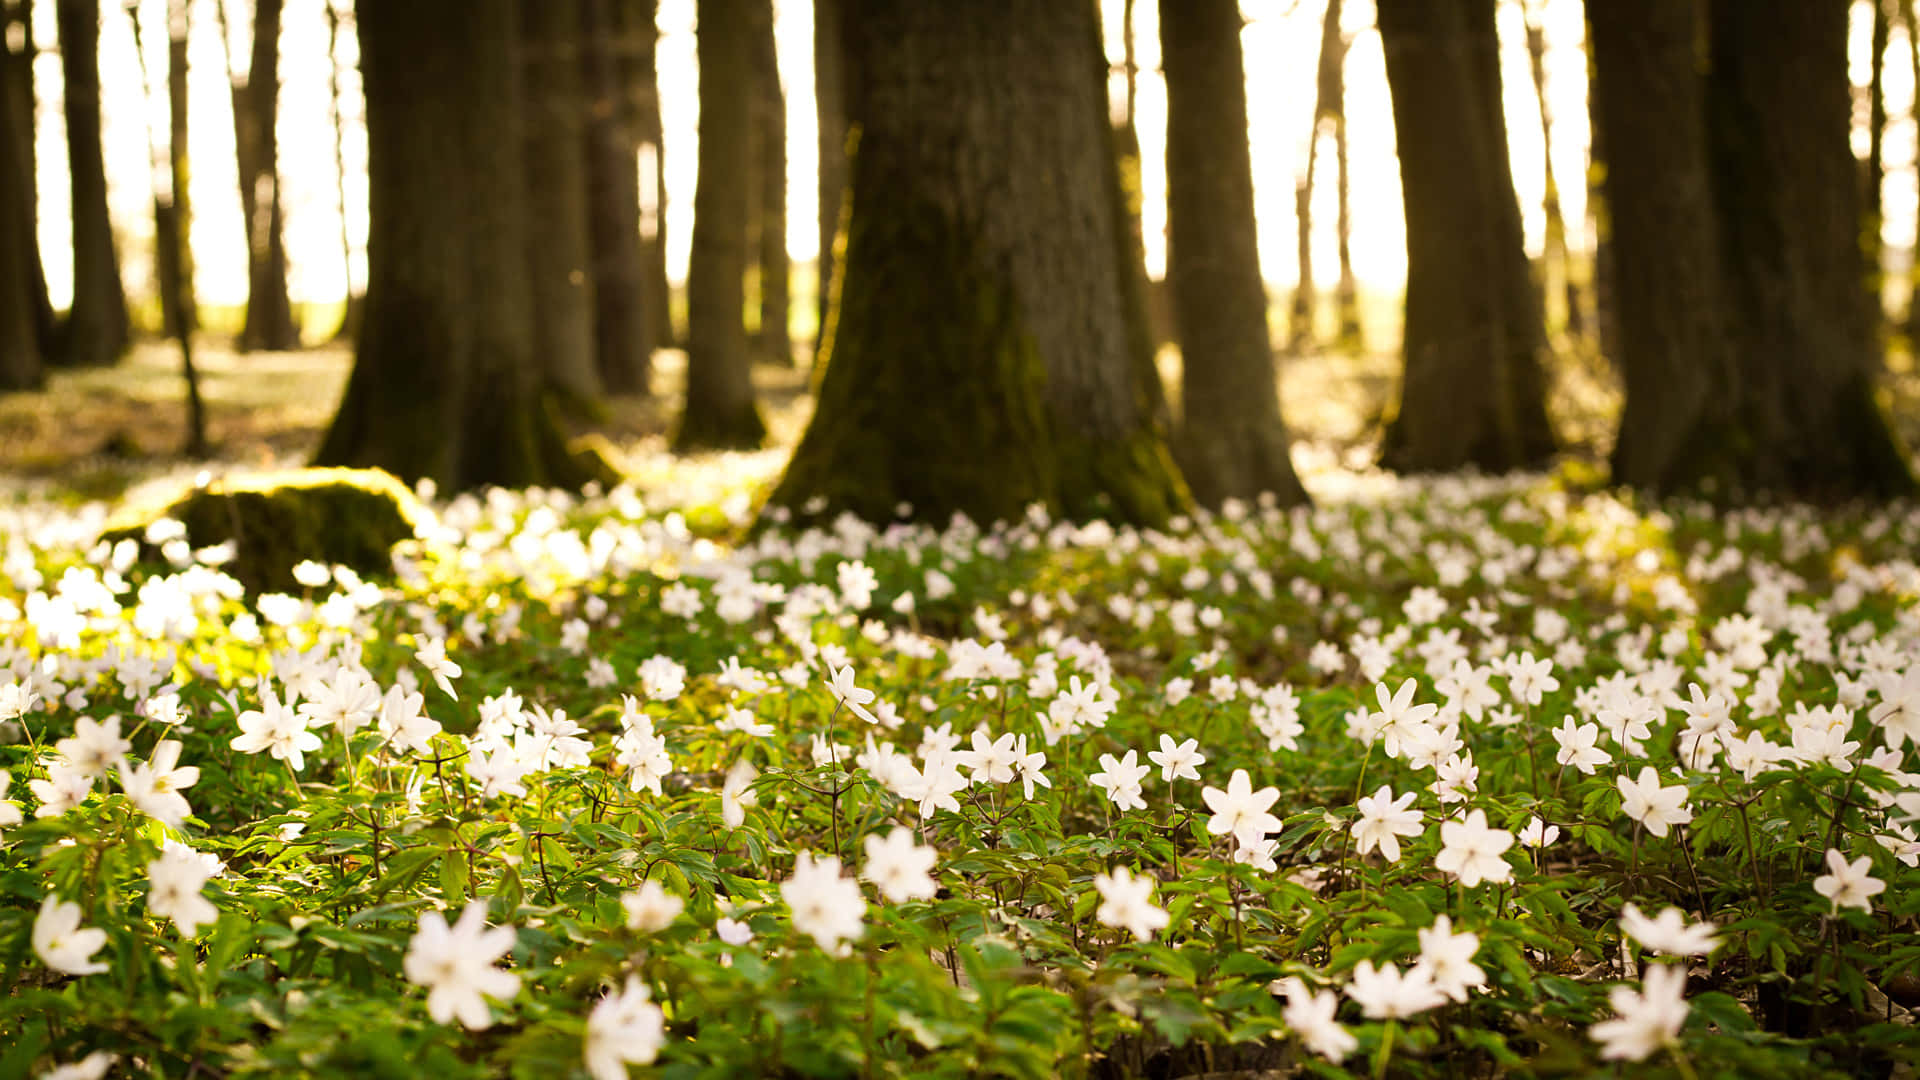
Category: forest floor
[96,433]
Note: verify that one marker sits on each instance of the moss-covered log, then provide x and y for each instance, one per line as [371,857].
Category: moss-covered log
[982,351]
[345,517]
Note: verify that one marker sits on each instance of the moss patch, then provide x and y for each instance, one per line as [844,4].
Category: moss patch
[348,517]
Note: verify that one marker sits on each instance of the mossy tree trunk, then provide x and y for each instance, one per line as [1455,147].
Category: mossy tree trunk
[20,356]
[96,332]
[1677,427]
[269,323]
[1787,187]
[769,229]
[830,111]
[1474,393]
[981,357]
[446,383]
[623,343]
[1232,442]
[559,249]
[720,410]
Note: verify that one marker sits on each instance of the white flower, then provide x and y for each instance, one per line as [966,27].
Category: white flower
[402,725]
[1578,746]
[732,931]
[174,881]
[736,793]
[95,745]
[1399,718]
[623,1029]
[1030,766]
[1240,810]
[1669,933]
[499,773]
[1180,761]
[154,785]
[64,788]
[1120,779]
[1647,1020]
[62,943]
[1474,852]
[1447,958]
[347,702]
[1656,807]
[1125,903]
[433,657]
[1849,884]
[456,965]
[1385,994]
[1310,1015]
[1538,834]
[9,811]
[651,909]
[826,906]
[662,678]
[991,761]
[277,729]
[846,693]
[1383,821]
[92,1067]
[899,867]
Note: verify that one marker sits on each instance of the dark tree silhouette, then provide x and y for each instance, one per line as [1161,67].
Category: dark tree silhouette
[1474,393]
[768,230]
[96,328]
[984,354]
[1232,442]
[830,111]
[20,357]
[720,409]
[622,342]
[559,250]
[446,382]
[16,18]
[269,321]
[174,238]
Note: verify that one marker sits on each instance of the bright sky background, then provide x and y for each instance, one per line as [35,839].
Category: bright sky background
[1281,43]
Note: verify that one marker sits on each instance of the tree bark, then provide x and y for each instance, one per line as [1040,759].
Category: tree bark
[1474,394]
[769,233]
[621,340]
[1677,429]
[720,410]
[830,110]
[559,249]
[1329,89]
[96,329]
[1555,263]
[20,355]
[269,323]
[176,266]
[446,383]
[1874,169]
[1232,442]
[350,313]
[981,357]
[642,79]
[19,13]
[1787,187]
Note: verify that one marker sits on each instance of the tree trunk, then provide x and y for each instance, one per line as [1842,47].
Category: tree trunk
[1474,393]
[20,356]
[642,80]
[1677,427]
[1874,177]
[96,331]
[446,383]
[349,327]
[621,341]
[559,250]
[769,152]
[720,410]
[830,110]
[176,267]
[1328,90]
[1788,192]
[1351,338]
[16,16]
[269,324]
[1556,267]
[1232,442]
[982,359]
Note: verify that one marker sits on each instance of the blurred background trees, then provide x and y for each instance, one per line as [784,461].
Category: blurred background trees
[1029,251]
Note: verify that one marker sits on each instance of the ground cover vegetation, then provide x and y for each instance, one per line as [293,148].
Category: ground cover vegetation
[1442,777]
